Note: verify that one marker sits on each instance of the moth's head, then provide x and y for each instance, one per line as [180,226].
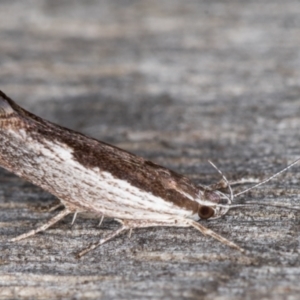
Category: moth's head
[214,205]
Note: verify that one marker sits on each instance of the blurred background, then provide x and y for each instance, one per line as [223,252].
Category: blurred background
[128,51]
[196,71]
[178,82]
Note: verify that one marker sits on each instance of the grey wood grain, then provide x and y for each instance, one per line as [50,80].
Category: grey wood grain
[178,82]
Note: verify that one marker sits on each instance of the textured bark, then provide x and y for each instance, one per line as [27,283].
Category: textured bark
[177,82]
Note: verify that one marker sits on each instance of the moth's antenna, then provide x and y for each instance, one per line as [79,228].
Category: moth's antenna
[224,178]
[268,179]
[251,204]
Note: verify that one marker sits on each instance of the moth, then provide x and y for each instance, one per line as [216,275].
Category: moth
[89,176]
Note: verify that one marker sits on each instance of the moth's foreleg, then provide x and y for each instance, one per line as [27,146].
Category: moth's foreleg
[206,231]
[222,184]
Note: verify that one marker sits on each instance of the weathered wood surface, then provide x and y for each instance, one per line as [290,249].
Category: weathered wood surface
[178,82]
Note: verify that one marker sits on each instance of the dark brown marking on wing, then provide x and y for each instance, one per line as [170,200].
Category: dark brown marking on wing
[123,165]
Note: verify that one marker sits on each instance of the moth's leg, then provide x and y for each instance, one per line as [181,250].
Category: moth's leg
[181,223]
[101,220]
[130,225]
[43,227]
[74,218]
[49,208]
[102,241]
[222,184]
[55,206]
[206,231]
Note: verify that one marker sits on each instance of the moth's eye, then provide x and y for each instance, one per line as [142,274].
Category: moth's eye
[205,212]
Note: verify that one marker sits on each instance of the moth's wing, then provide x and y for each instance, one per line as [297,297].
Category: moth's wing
[92,154]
